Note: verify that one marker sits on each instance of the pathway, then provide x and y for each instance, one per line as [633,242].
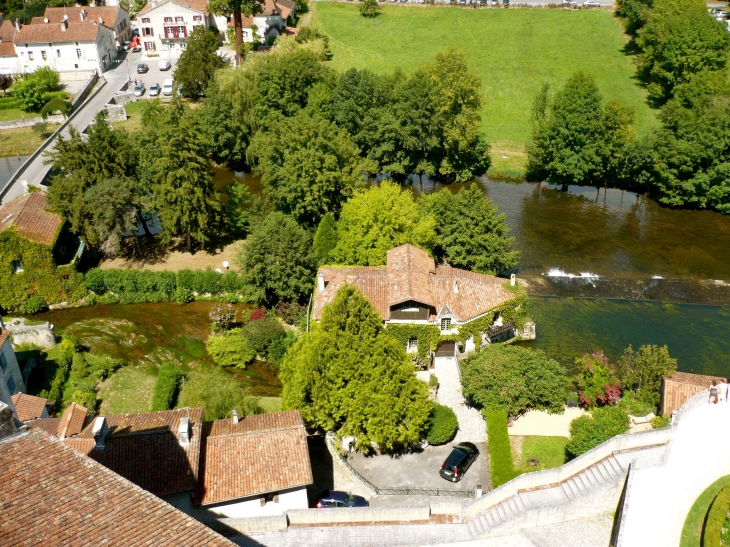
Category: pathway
[471,424]
[660,498]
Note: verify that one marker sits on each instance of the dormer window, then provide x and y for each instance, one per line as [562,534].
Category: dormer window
[446,323]
[409,306]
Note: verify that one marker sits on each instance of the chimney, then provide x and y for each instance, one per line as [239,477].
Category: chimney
[64,26]
[65,17]
[183,431]
[83,14]
[320,281]
[101,21]
[234,414]
[46,20]
[456,287]
[7,422]
[512,280]
[100,430]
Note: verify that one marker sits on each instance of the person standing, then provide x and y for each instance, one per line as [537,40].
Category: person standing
[713,393]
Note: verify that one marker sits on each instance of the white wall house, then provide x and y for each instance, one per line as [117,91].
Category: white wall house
[113,17]
[269,23]
[267,505]
[165,25]
[66,46]
[11,379]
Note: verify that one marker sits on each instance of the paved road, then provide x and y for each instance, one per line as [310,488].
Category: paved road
[36,172]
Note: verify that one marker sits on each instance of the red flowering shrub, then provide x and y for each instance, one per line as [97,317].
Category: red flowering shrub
[257,314]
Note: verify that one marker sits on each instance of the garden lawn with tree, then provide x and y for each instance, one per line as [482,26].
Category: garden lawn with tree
[513,51]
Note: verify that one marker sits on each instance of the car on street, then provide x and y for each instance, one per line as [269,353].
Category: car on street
[165,65]
[495,2]
[458,462]
[571,3]
[336,498]
[154,90]
[591,4]
[142,68]
[167,87]
[139,90]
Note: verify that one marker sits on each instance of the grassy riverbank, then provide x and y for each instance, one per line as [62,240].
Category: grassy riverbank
[514,51]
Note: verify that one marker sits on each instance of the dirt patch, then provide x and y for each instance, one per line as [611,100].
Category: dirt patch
[516,444]
[128,390]
[154,256]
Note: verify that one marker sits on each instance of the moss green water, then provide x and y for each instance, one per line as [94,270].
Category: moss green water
[697,336]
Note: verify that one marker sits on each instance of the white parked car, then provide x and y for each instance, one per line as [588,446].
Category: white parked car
[167,87]
[591,4]
[165,65]
[154,90]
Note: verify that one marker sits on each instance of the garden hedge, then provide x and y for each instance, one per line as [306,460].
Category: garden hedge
[442,425]
[500,450]
[716,517]
[166,387]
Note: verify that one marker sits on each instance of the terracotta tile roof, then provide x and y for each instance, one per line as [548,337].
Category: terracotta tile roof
[54,496]
[7,48]
[49,425]
[290,31]
[681,387]
[72,421]
[197,5]
[31,219]
[81,31]
[28,407]
[108,14]
[411,275]
[265,453]
[4,334]
[271,8]
[7,31]
[287,6]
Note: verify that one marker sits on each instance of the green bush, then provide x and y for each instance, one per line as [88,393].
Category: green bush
[500,450]
[101,366]
[587,432]
[79,367]
[442,425]
[218,393]
[657,422]
[87,399]
[262,333]
[34,304]
[230,349]
[94,280]
[185,280]
[716,517]
[279,347]
[183,296]
[433,382]
[166,387]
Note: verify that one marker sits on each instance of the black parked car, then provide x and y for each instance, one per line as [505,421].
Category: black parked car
[335,498]
[460,459]
[142,68]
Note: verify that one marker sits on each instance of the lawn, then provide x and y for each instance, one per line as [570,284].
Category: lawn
[514,51]
[23,141]
[128,390]
[134,117]
[694,523]
[537,453]
[10,114]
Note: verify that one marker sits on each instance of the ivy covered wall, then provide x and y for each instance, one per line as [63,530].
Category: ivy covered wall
[39,276]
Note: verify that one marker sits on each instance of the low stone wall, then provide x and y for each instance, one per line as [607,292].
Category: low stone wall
[358,515]
[125,98]
[81,97]
[237,526]
[30,122]
[116,113]
[446,507]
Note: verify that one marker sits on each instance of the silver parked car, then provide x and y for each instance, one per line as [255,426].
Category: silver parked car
[165,65]
[139,90]
[154,90]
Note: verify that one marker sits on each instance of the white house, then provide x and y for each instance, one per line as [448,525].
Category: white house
[11,379]
[165,25]
[269,23]
[114,17]
[70,45]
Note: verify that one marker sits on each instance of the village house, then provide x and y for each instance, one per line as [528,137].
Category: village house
[166,24]
[11,378]
[269,23]
[681,387]
[257,466]
[55,496]
[30,407]
[412,290]
[115,17]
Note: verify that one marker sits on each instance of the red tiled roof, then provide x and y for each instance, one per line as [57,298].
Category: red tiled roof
[196,5]
[7,48]
[681,387]
[31,219]
[260,454]
[76,31]
[72,421]
[286,8]
[28,407]
[290,31]
[49,425]
[4,334]
[7,31]
[412,276]
[54,496]
[108,14]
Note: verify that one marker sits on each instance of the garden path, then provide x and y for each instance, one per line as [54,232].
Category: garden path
[471,423]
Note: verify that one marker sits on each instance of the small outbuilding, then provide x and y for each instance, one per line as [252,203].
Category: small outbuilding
[682,386]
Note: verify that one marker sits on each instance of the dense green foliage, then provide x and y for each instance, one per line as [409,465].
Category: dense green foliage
[471,233]
[31,91]
[267,338]
[715,532]
[597,380]
[370,8]
[166,387]
[230,348]
[502,468]
[513,378]
[217,392]
[198,62]
[376,220]
[34,304]
[347,376]
[276,260]
[442,425]
[642,371]
[325,239]
[587,432]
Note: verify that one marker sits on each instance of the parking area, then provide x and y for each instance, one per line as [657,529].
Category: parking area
[419,469]
[153,75]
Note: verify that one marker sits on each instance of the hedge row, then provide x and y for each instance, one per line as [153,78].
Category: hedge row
[500,450]
[166,387]
[716,517]
[6,103]
[136,286]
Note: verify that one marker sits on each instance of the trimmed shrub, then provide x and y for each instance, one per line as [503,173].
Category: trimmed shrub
[218,393]
[79,367]
[500,450]
[95,281]
[230,349]
[587,432]
[231,282]
[34,304]
[657,422]
[442,425]
[87,399]
[261,334]
[185,279]
[166,387]
[715,520]
[183,296]
[280,346]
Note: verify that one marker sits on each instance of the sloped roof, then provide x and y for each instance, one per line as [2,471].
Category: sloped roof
[697,380]
[108,14]
[196,5]
[28,407]
[4,334]
[54,496]
[411,275]
[7,48]
[681,387]
[260,454]
[29,215]
[7,31]
[72,421]
[76,31]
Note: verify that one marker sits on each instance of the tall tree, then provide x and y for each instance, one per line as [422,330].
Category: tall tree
[471,232]
[236,9]
[308,167]
[325,239]
[643,371]
[349,377]
[198,63]
[181,180]
[276,260]
[378,219]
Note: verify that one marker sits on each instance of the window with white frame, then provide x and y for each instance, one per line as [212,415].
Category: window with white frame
[147,19]
[78,53]
[181,29]
[149,46]
[58,53]
[148,31]
[197,17]
[30,55]
[412,345]
[446,323]
[168,19]
[43,54]
[179,19]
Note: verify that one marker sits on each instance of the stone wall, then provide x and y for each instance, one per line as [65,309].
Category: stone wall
[358,515]
[81,97]
[116,113]
[233,527]
[30,122]
[125,98]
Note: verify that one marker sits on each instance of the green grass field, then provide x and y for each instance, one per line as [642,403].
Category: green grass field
[514,51]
